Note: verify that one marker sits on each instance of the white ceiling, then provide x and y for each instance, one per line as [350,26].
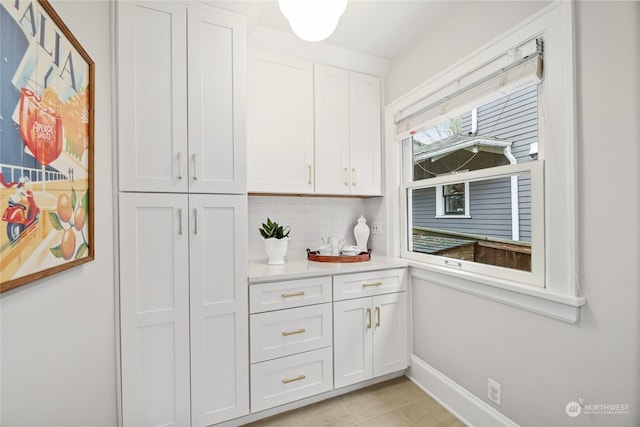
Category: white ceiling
[377,27]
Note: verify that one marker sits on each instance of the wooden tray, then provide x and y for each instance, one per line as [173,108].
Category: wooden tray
[362,256]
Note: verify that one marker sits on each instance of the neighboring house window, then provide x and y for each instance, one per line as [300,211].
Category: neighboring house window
[452,199]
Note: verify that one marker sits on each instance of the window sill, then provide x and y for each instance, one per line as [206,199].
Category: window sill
[453,216]
[540,301]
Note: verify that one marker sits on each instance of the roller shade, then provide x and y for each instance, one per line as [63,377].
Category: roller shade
[493,81]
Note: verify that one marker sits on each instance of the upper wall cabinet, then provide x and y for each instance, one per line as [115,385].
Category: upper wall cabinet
[182,98]
[280,129]
[347,132]
[313,129]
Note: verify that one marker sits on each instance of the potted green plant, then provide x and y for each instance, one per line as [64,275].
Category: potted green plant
[276,241]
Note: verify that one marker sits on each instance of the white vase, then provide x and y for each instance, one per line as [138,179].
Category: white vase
[276,250]
[361,233]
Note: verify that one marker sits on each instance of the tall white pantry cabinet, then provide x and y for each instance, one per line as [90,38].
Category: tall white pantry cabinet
[182,214]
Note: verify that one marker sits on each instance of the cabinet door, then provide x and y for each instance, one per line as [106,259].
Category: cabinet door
[152,96]
[154,309]
[331,99]
[219,312]
[389,333]
[217,101]
[364,138]
[280,130]
[352,341]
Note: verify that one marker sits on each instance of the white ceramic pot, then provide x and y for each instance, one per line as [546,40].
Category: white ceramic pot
[276,250]
[361,233]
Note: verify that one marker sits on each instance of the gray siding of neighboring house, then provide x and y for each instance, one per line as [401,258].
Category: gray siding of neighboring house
[490,201]
[489,208]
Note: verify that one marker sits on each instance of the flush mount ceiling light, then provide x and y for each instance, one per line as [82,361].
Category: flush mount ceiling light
[312,20]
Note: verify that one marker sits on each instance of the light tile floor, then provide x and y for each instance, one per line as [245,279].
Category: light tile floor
[397,402]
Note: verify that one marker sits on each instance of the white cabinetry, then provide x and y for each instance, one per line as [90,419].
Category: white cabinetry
[313,129]
[347,132]
[311,335]
[181,282]
[154,310]
[218,308]
[181,120]
[370,332]
[280,132]
[291,352]
[182,214]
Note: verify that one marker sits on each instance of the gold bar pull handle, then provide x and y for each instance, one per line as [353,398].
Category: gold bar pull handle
[346,177]
[290,380]
[295,294]
[368,285]
[354,177]
[377,316]
[298,331]
[310,174]
[369,316]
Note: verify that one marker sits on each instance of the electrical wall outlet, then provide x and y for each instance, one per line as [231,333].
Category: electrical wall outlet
[494,392]
[376,228]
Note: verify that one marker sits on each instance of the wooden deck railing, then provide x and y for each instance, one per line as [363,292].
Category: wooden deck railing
[516,255]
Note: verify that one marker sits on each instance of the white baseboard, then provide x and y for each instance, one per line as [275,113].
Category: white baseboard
[460,402]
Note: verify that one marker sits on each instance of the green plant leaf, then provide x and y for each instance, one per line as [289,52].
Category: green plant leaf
[84,202]
[74,199]
[273,229]
[56,251]
[82,249]
[55,221]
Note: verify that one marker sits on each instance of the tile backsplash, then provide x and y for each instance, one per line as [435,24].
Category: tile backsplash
[310,219]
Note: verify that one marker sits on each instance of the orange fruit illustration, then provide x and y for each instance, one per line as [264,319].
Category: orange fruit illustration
[64,207]
[68,243]
[51,100]
[79,218]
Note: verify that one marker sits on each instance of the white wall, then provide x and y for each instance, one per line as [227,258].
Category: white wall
[542,363]
[58,357]
[469,24]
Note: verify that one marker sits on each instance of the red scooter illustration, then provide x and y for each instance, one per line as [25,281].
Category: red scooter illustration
[18,216]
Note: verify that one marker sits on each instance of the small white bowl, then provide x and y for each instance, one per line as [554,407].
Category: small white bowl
[324,250]
[350,251]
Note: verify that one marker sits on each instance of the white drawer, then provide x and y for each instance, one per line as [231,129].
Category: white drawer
[285,332]
[284,380]
[290,293]
[347,286]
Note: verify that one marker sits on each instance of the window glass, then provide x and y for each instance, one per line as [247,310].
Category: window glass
[454,199]
[498,230]
[500,133]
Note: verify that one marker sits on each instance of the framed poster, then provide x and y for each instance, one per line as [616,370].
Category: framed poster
[46,145]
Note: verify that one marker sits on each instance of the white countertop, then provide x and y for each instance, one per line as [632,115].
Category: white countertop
[298,267]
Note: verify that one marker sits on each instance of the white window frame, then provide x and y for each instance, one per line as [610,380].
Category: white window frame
[557,294]
[440,212]
[534,278]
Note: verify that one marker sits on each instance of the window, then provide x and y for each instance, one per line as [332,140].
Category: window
[486,220]
[496,124]
[452,199]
